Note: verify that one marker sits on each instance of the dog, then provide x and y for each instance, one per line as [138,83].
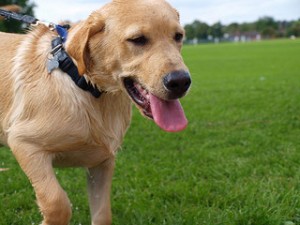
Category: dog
[128,50]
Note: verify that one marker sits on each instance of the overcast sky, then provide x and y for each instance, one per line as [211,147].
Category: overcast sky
[209,11]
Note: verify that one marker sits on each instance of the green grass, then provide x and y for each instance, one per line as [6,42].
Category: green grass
[238,162]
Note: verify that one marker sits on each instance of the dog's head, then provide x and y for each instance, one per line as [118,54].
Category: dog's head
[134,46]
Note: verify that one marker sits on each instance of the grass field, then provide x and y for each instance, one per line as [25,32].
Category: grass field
[238,162]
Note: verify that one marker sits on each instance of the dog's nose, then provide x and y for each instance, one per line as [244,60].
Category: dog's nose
[177,83]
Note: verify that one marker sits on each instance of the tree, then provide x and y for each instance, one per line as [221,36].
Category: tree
[189,32]
[197,30]
[12,26]
[267,26]
[294,29]
[269,32]
[233,29]
[247,27]
[216,30]
[201,30]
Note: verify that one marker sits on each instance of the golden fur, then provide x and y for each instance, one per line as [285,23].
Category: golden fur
[47,120]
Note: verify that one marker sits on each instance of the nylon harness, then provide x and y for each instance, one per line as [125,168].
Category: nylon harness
[60,58]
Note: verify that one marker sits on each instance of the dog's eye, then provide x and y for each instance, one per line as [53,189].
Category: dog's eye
[178,37]
[139,41]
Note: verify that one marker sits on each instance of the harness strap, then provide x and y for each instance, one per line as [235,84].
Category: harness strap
[18,17]
[60,58]
[66,64]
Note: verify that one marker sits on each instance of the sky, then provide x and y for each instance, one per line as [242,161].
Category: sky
[209,11]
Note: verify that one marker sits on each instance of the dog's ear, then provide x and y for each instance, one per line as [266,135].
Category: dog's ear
[79,36]
[178,14]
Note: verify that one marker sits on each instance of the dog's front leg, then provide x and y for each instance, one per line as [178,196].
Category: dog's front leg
[99,180]
[52,199]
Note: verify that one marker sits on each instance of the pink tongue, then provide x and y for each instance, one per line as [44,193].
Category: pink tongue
[168,115]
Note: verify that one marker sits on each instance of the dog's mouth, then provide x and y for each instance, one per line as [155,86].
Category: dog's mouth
[168,115]
[139,95]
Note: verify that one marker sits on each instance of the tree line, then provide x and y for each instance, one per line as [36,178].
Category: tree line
[264,28]
[198,31]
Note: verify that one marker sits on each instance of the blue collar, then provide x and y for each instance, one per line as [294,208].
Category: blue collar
[62,32]
[63,61]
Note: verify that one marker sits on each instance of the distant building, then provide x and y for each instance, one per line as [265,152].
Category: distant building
[243,36]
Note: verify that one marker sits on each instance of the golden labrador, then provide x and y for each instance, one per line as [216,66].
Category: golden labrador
[128,49]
